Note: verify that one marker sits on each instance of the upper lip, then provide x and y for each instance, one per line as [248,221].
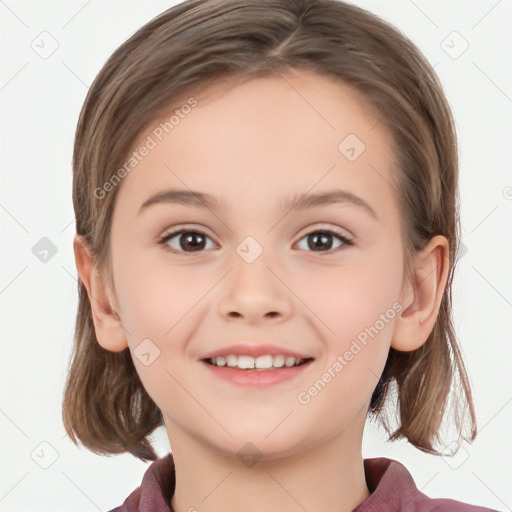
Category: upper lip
[247,349]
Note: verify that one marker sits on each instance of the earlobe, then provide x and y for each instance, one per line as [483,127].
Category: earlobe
[417,320]
[107,324]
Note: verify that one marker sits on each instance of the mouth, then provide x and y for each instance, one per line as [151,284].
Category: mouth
[258,364]
[257,373]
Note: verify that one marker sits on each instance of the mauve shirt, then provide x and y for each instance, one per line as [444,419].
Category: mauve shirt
[390,484]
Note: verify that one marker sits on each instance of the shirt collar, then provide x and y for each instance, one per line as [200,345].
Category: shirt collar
[390,484]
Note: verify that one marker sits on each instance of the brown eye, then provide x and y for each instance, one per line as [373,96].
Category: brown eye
[322,240]
[187,241]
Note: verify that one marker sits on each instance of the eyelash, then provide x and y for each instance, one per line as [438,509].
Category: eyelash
[168,236]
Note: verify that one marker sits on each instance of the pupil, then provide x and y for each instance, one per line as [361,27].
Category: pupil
[189,239]
[321,238]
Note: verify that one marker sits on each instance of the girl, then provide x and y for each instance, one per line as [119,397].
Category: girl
[217,150]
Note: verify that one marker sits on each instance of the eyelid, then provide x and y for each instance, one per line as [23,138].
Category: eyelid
[176,230]
[322,226]
[347,239]
[311,229]
[184,227]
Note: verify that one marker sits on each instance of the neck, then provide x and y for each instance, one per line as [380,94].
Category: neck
[329,477]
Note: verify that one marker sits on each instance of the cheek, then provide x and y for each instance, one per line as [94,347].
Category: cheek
[351,298]
[159,306]
[357,320]
[157,299]
[357,307]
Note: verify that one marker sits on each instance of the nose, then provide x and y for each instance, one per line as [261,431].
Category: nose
[253,293]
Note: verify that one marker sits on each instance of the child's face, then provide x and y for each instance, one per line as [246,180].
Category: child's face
[253,147]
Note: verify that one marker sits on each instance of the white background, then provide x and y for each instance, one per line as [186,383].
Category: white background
[40,100]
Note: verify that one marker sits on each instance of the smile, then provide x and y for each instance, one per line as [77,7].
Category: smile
[264,362]
[260,372]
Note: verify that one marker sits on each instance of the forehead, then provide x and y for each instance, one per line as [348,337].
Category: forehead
[286,133]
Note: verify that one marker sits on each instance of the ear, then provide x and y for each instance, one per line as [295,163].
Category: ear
[414,325]
[107,324]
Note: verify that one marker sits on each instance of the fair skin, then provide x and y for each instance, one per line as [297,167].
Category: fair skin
[253,145]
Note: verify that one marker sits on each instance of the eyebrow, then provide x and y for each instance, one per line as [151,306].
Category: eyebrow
[296,202]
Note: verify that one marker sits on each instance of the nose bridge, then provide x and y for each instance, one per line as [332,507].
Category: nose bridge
[253,290]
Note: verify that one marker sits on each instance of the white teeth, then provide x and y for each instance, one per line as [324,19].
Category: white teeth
[289,361]
[231,360]
[221,361]
[278,361]
[259,363]
[245,362]
[263,362]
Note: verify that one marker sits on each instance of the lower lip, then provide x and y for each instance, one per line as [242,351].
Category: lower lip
[257,378]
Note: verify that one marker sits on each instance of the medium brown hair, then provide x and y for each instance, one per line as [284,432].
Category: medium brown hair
[105,404]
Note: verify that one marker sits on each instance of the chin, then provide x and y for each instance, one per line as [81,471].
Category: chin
[252,445]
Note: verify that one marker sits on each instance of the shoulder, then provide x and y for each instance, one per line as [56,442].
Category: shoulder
[447,505]
[156,489]
[130,504]
[392,488]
